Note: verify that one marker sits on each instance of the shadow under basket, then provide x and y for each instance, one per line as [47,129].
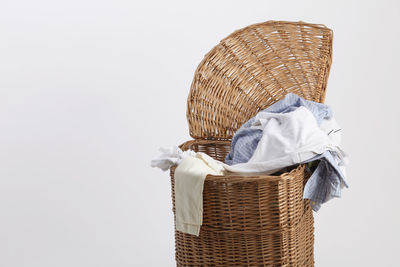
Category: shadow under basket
[258,220]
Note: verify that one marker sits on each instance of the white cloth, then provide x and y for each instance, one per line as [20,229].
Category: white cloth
[170,156]
[288,139]
[189,182]
[332,129]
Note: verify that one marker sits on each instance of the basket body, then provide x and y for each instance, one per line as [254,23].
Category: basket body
[248,220]
[253,220]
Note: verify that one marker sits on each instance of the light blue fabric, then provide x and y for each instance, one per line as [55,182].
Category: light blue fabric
[325,182]
[245,140]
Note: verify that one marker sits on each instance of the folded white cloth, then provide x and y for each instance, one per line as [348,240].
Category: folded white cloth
[189,181]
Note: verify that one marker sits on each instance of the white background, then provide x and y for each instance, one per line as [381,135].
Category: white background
[90,89]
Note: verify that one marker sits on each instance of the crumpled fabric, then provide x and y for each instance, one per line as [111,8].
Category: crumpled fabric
[190,173]
[170,156]
[326,180]
[288,139]
[246,138]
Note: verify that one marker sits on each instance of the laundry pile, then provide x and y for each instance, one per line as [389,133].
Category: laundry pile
[291,131]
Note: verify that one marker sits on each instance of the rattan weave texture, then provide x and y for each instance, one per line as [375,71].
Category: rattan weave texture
[253,68]
[248,220]
[253,220]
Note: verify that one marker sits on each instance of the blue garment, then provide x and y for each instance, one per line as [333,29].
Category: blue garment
[245,140]
[325,182]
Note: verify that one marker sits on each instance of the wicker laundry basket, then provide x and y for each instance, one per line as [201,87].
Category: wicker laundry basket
[253,220]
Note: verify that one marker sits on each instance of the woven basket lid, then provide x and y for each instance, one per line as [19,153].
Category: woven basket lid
[253,68]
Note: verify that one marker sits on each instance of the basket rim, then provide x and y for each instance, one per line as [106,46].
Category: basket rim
[239,178]
[272,22]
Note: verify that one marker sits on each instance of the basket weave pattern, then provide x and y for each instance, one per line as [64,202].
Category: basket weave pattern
[248,220]
[253,68]
[258,220]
